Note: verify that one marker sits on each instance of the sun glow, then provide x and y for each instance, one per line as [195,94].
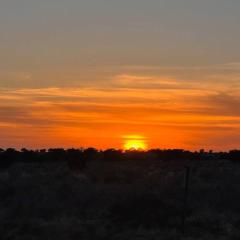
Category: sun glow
[135,143]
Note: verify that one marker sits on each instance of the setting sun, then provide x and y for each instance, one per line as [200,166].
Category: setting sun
[135,142]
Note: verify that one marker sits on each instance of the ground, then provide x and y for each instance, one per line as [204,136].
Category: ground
[118,200]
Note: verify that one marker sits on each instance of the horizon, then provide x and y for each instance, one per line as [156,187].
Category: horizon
[201,150]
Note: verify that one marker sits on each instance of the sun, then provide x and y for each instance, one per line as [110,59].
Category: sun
[135,143]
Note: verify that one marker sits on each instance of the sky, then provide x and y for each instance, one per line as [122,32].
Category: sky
[80,73]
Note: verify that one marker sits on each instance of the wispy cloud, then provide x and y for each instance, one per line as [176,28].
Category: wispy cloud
[165,104]
[81,114]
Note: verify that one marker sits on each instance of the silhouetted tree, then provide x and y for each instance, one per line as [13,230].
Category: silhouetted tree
[112,154]
[8,157]
[234,155]
[76,159]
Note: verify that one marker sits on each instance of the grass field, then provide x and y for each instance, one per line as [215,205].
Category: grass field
[120,200]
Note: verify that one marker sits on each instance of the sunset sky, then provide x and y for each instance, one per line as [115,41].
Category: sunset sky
[80,73]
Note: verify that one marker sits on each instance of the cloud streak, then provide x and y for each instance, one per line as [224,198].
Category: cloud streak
[81,115]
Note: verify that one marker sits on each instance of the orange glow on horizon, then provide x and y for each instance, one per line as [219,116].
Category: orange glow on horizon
[118,118]
[135,143]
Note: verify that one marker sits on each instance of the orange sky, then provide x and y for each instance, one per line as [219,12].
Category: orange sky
[89,73]
[173,116]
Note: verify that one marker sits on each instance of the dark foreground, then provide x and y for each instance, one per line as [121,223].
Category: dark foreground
[120,200]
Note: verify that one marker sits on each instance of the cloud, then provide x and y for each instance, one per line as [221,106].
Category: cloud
[151,82]
[218,77]
[126,79]
[75,114]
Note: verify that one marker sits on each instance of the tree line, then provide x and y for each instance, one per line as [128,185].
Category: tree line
[80,157]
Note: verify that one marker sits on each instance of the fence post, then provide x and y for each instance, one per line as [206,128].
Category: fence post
[185,201]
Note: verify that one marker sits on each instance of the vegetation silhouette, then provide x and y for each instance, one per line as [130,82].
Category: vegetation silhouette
[78,158]
[114,194]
